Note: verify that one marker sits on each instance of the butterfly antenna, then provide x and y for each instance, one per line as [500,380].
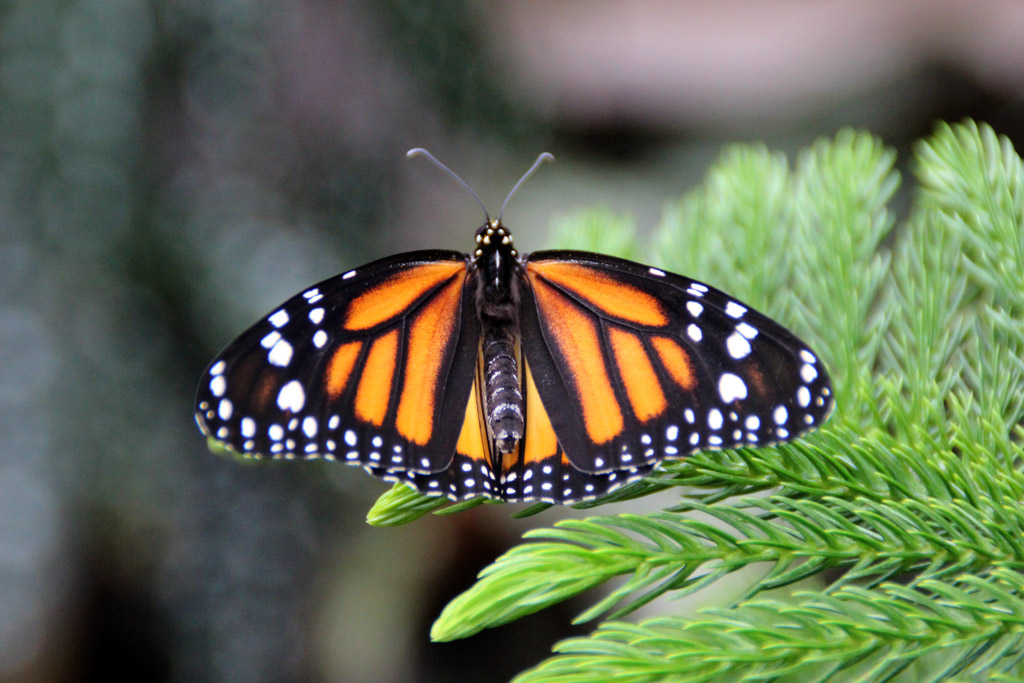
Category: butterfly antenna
[545,156]
[419,151]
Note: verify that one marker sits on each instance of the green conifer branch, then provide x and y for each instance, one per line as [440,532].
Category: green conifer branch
[974,176]
[597,230]
[969,626]
[739,215]
[660,552]
[916,478]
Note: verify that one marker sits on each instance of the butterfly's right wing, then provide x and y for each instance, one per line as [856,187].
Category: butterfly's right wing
[372,367]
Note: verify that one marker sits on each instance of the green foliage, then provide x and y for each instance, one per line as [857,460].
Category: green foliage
[402,504]
[597,230]
[970,627]
[911,494]
[734,228]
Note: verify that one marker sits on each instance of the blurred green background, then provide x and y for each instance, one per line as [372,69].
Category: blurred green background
[172,169]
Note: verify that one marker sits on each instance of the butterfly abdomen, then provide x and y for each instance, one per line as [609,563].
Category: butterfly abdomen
[504,399]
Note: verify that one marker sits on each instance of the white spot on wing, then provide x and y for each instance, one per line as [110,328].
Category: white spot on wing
[807,356]
[746,330]
[279,318]
[656,272]
[780,415]
[248,427]
[694,308]
[320,339]
[808,373]
[731,387]
[218,385]
[316,315]
[734,310]
[291,397]
[271,339]
[309,426]
[737,345]
[281,354]
[225,409]
[218,367]
[694,332]
[715,418]
[803,397]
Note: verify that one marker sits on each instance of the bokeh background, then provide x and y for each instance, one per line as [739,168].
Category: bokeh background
[172,169]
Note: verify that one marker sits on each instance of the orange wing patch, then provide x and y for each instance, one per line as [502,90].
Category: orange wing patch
[340,368]
[397,293]
[374,392]
[642,385]
[613,297]
[676,361]
[472,439]
[580,348]
[540,440]
[430,332]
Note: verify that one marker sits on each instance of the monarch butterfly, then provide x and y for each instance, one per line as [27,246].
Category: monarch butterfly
[556,376]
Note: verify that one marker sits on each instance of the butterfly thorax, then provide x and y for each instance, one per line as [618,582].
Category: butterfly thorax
[498,273]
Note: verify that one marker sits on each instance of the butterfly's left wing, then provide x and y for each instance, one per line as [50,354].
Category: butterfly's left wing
[635,365]
[372,368]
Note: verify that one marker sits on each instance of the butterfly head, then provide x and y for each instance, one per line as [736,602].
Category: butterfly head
[495,258]
[493,237]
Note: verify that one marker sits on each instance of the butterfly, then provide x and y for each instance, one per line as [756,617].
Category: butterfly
[557,376]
